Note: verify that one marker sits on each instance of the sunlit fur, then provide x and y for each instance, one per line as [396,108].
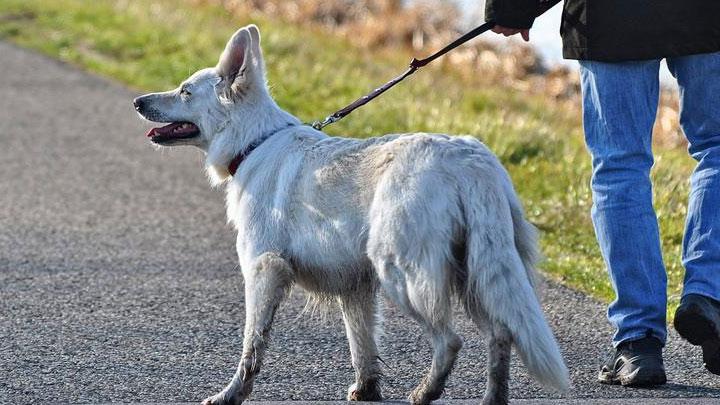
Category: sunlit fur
[425,219]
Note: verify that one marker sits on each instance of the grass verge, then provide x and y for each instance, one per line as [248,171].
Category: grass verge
[154,44]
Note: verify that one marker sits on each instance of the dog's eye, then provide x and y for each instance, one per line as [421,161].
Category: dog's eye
[185,93]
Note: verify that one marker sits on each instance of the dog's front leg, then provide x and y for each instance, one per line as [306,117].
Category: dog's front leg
[266,285]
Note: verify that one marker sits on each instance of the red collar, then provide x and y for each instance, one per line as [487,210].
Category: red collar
[235,163]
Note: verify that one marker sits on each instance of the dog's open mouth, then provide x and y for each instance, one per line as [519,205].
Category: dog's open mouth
[170,133]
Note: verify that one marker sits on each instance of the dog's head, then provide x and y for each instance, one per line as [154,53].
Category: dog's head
[205,104]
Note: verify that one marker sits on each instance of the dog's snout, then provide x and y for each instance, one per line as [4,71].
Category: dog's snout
[138,103]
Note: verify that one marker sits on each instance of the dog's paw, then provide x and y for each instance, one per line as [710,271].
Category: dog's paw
[367,393]
[423,396]
[222,399]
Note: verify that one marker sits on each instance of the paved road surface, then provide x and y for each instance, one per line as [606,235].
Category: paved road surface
[118,280]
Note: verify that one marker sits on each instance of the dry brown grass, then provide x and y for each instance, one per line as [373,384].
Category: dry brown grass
[667,125]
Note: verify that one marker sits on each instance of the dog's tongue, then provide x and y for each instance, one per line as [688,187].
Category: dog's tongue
[174,128]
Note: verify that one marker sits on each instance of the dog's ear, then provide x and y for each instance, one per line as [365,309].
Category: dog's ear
[236,56]
[241,63]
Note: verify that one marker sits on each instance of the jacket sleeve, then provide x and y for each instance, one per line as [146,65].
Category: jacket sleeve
[518,14]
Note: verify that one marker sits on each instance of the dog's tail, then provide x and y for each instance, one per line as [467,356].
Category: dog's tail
[500,280]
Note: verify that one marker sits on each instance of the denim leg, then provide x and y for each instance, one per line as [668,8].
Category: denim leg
[698,77]
[619,106]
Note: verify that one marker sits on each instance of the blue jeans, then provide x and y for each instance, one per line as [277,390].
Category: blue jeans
[619,105]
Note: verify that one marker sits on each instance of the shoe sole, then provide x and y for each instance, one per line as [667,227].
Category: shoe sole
[640,379]
[697,329]
[636,379]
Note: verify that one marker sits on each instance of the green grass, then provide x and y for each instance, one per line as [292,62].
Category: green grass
[153,45]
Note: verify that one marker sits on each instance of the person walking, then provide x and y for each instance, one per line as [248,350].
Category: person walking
[619,45]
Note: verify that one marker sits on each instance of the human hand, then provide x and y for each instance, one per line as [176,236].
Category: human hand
[499,29]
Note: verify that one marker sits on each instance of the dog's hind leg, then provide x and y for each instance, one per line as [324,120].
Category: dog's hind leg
[360,313]
[427,300]
[446,345]
[499,349]
[266,285]
[413,224]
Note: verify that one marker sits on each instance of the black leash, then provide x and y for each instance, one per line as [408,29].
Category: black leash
[416,64]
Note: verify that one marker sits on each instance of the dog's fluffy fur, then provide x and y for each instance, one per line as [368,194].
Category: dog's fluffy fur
[423,218]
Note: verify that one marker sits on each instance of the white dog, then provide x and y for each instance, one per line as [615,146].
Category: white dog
[424,218]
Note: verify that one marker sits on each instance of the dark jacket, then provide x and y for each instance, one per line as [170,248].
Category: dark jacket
[621,30]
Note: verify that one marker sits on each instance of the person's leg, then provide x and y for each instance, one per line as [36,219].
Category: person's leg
[619,106]
[698,78]
[697,319]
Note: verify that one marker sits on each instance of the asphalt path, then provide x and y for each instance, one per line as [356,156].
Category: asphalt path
[118,278]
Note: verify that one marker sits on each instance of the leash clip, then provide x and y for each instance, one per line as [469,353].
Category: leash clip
[319,125]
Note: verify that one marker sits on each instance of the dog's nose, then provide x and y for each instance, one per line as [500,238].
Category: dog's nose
[138,103]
